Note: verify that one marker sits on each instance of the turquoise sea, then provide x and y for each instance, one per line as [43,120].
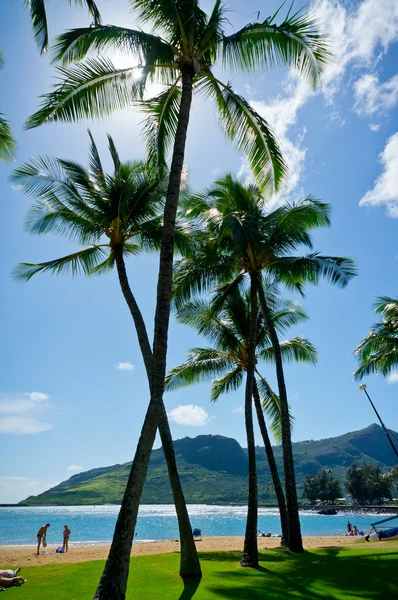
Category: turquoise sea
[95,524]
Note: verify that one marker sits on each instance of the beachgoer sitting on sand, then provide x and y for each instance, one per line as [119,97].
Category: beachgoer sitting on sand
[67,533]
[356,530]
[41,535]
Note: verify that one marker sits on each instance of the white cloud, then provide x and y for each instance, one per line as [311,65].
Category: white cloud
[371,96]
[393,378]
[357,38]
[189,414]
[238,409]
[385,190]
[19,413]
[38,396]
[75,468]
[125,366]
[22,425]
[374,127]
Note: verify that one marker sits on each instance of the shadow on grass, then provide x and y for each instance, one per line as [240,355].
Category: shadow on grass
[190,588]
[327,574]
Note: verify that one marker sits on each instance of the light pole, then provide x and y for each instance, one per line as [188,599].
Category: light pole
[363,387]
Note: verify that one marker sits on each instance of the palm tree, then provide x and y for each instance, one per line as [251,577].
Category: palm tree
[7,142]
[239,239]
[378,352]
[113,216]
[37,11]
[186,43]
[228,328]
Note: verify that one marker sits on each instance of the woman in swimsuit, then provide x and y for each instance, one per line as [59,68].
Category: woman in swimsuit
[67,533]
[41,534]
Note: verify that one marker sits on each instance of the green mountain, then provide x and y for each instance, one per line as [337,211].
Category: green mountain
[213,468]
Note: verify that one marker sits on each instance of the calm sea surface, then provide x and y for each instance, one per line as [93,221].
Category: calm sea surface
[95,524]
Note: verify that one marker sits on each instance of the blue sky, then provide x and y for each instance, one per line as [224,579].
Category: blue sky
[65,405]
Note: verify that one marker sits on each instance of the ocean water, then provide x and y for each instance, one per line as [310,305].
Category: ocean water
[95,524]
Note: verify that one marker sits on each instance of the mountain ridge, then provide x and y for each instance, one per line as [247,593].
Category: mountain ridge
[213,468]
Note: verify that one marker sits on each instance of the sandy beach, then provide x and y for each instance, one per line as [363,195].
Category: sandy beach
[13,556]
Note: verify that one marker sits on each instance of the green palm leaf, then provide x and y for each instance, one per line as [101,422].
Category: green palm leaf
[249,131]
[144,48]
[37,9]
[202,364]
[8,146]
[228,383]
[89,90]
[296,349]
[296,42]
[83,261]
[161,124]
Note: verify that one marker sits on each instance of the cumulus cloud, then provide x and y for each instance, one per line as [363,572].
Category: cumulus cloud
[75,468]
[385,190]
[19,413]
[358,37]
[393,378]
[125,366]
[189,414]
[371,96]
[374,127]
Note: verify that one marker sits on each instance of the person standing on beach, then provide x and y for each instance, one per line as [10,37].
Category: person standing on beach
[67,533]
[41,535]
[349,528]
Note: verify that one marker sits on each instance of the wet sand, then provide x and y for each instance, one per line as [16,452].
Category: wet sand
[15,556]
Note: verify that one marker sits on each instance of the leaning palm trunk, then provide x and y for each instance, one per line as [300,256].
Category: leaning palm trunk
[272,466]
[293,519]
[250,548]
[113,583]
[189,562]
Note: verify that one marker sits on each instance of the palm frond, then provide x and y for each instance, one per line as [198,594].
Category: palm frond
[8,145]
[202,364]
[83,261]
[161,124]
[295,271]
[228,383]
[249,131]
[114,154]
[296,349]
[271,405]
[296,43]
[92,89]
[144,48]
[37,9]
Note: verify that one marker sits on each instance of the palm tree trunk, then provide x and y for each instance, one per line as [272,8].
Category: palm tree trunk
[293,519]
[189,561]
[272,465]
[250,548]
[113,583]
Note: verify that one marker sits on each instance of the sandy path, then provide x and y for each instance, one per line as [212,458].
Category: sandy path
[13,556]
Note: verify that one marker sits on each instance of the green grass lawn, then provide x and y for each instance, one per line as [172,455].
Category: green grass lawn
[369,572]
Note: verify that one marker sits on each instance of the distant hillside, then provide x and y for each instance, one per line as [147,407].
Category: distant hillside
[213,469]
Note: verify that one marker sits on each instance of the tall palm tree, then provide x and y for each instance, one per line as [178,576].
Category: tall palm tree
[378,352]
[228,328]
[7,142]
[240,239]
[38,16]
[113,216]
[186,43]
